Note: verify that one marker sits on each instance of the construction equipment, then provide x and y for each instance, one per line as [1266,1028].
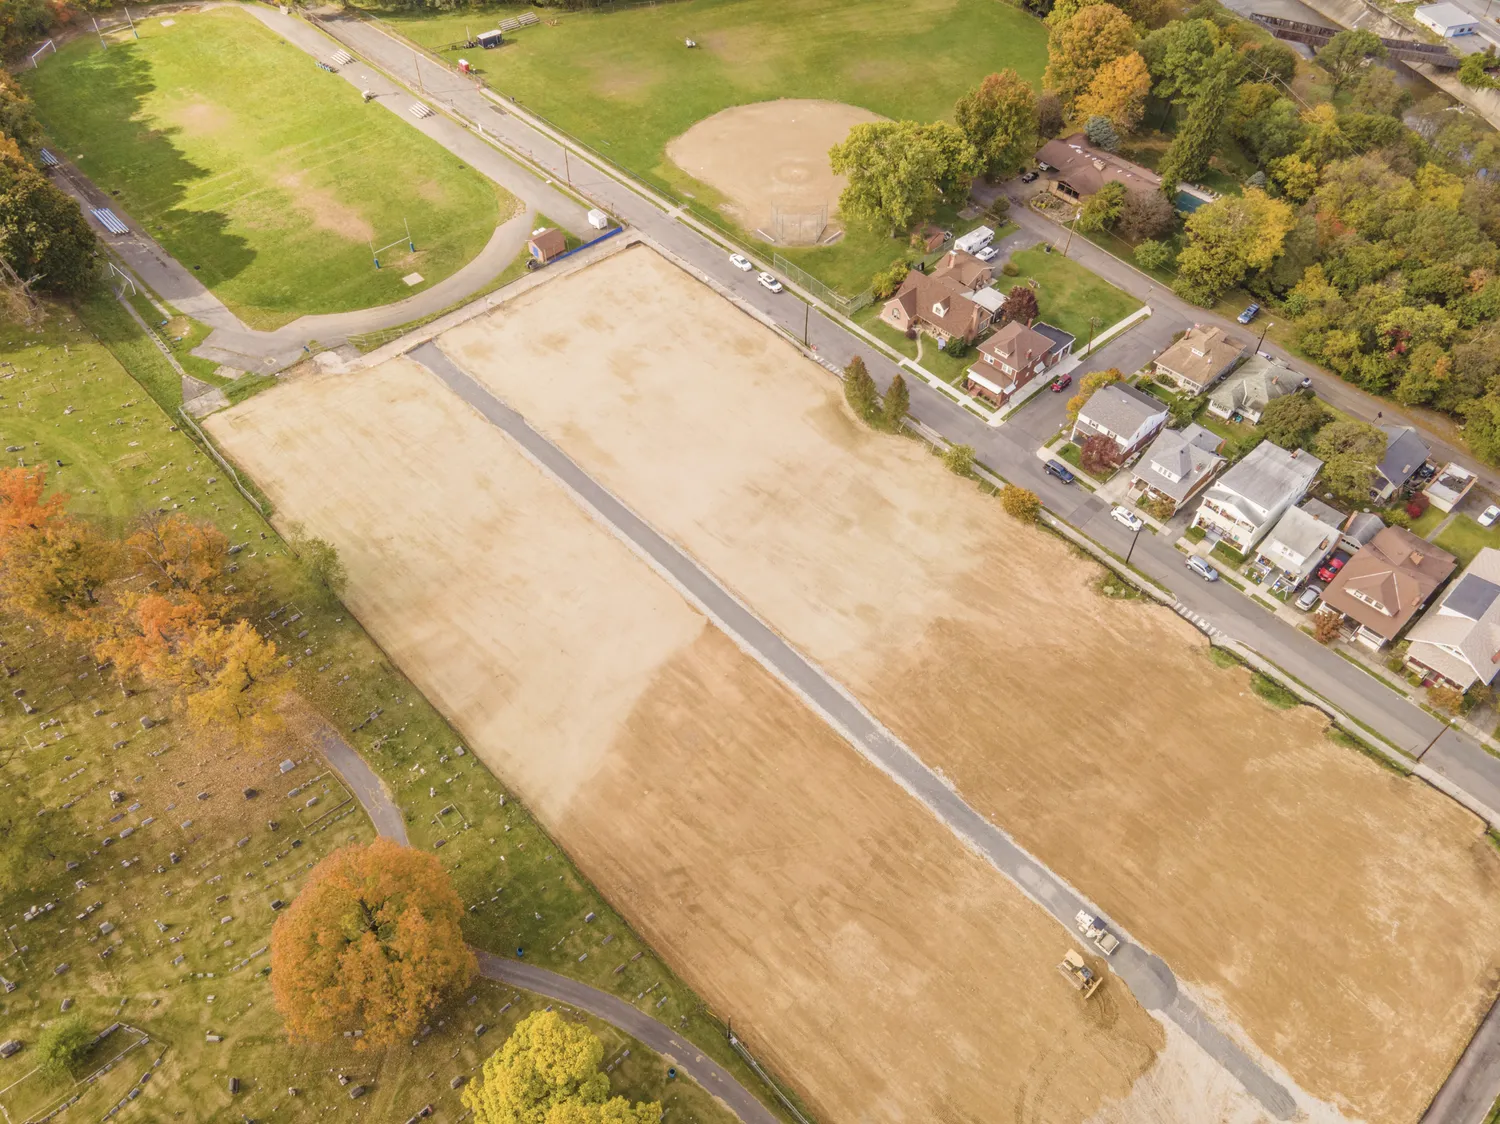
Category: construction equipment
[1105,941]
[1079,974]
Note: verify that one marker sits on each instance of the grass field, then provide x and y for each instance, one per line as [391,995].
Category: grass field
[624,83]
[264,174]
[1068,295]
[1464,538]
[121,455]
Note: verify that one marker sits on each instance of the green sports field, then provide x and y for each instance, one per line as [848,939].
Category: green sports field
[266,175]
[624,82]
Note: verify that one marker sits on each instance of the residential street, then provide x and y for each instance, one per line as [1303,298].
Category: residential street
[1009,449]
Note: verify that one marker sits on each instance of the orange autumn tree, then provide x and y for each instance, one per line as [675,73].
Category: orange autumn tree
[373,943]
[183,558]
[52,567]
[21,505]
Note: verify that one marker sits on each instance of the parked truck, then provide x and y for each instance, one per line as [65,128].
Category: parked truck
[1079,974]
[1101,938]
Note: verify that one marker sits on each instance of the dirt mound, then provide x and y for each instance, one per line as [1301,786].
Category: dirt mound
[771,160]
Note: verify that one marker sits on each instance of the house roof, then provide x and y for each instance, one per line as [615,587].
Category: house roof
[1060,338]
[1450,484]
[1086,169]
[1121,409]
[1396,570]
[1404,454]
[550,242]
[1468,620]
[1320,510]
[991,300]
[964,268]
[1445,14]
[1267,477]
[1201,353]
[1257,383]
[1363,526]
[1302,533]
[1017,345]
[921,292]
[1190,454]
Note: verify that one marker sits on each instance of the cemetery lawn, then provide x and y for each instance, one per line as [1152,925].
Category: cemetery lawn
[65,397]
[264,175]
[624,83]
[1067,294]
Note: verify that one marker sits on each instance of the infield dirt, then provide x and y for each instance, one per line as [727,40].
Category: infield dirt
[1342,916]
[889,972]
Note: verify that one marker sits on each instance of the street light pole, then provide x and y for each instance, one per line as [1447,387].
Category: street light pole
[1269,325]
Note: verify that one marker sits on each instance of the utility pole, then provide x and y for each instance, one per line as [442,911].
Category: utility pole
[567,168]
[1093,323]
[416,61]
[1131,551]
[806,314]
[1433,742]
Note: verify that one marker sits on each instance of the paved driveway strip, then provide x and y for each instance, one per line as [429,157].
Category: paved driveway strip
[1147,975]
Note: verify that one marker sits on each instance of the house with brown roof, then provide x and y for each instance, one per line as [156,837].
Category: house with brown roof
[1074,168]
[1012,357]
[1386,584]
[1200,358]
[941,303]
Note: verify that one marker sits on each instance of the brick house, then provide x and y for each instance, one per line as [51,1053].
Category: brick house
[941,303]
[1012,357]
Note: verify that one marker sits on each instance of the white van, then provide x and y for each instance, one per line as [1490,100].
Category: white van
[974,241]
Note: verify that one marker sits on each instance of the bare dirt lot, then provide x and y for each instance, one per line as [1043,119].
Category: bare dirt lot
[772,155]
[1342,916]
[887,970]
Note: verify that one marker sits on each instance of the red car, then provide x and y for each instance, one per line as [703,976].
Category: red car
[1329,570]
[1061,383]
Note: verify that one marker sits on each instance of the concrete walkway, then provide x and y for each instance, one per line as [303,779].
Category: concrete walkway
[1146,974]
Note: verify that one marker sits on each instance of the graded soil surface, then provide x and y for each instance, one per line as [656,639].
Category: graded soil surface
[771,160]
[887,971]
[1342,917]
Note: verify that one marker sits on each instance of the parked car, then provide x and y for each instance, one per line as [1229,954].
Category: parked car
[1330,569]
[1126,516]
[1061,383]
[740,261]
[1203,569]
[1426,472]
[769,282]
[1060,470]
[988,253]
[1309,597]
[1491,513]
[1250,313]
[1305,384]
[1028,177]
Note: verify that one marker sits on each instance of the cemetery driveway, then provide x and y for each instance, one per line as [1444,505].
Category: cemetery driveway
[390,824]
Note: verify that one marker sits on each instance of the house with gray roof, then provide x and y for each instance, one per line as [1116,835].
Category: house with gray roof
[1405,452]
[1458,642]
[1359,529]
[1178,463]
[1127,416]
[1248,391]
[1244,504]
[1301,539]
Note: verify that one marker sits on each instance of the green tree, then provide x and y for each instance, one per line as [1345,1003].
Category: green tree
[859,389]
[1146,214]
[1078,47]
[1195,143]
[548,1073]
[1350,450]
[1347,53]
[898,170]
[998,117]
[61,1046]
[1380,91]
[42,232]
[1272,61]
[896,403]
[959,459]
[1153,255]
[1180,57]
[1482,425]
[1348,477]
[1101,133]
[1297,178]
[1092,382]
[1102,209]
[1293,420]
[320,558]
[1227,239]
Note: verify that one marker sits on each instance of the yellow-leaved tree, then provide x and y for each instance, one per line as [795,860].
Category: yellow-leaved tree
[548,1073]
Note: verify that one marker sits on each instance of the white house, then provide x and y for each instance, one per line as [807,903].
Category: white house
[1126,415]
[1458,642]
[1178,463]
[1448,20]
[1248,391]
[1301,539]
[1245,503]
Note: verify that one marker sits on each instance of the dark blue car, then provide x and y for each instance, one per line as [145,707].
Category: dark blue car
[1249,314]
[1060,470]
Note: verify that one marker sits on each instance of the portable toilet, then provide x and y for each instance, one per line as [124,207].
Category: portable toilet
[463,66]
[488,39]
[598,219]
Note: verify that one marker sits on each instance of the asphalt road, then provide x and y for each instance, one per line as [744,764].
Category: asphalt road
[1146,974]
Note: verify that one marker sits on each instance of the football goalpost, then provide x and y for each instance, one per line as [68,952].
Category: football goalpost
[45,47]
[407,242]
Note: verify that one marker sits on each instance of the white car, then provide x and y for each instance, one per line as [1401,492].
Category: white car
[769,282]
[1124,515]
[989,253]
[741,262]
[1489,516]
